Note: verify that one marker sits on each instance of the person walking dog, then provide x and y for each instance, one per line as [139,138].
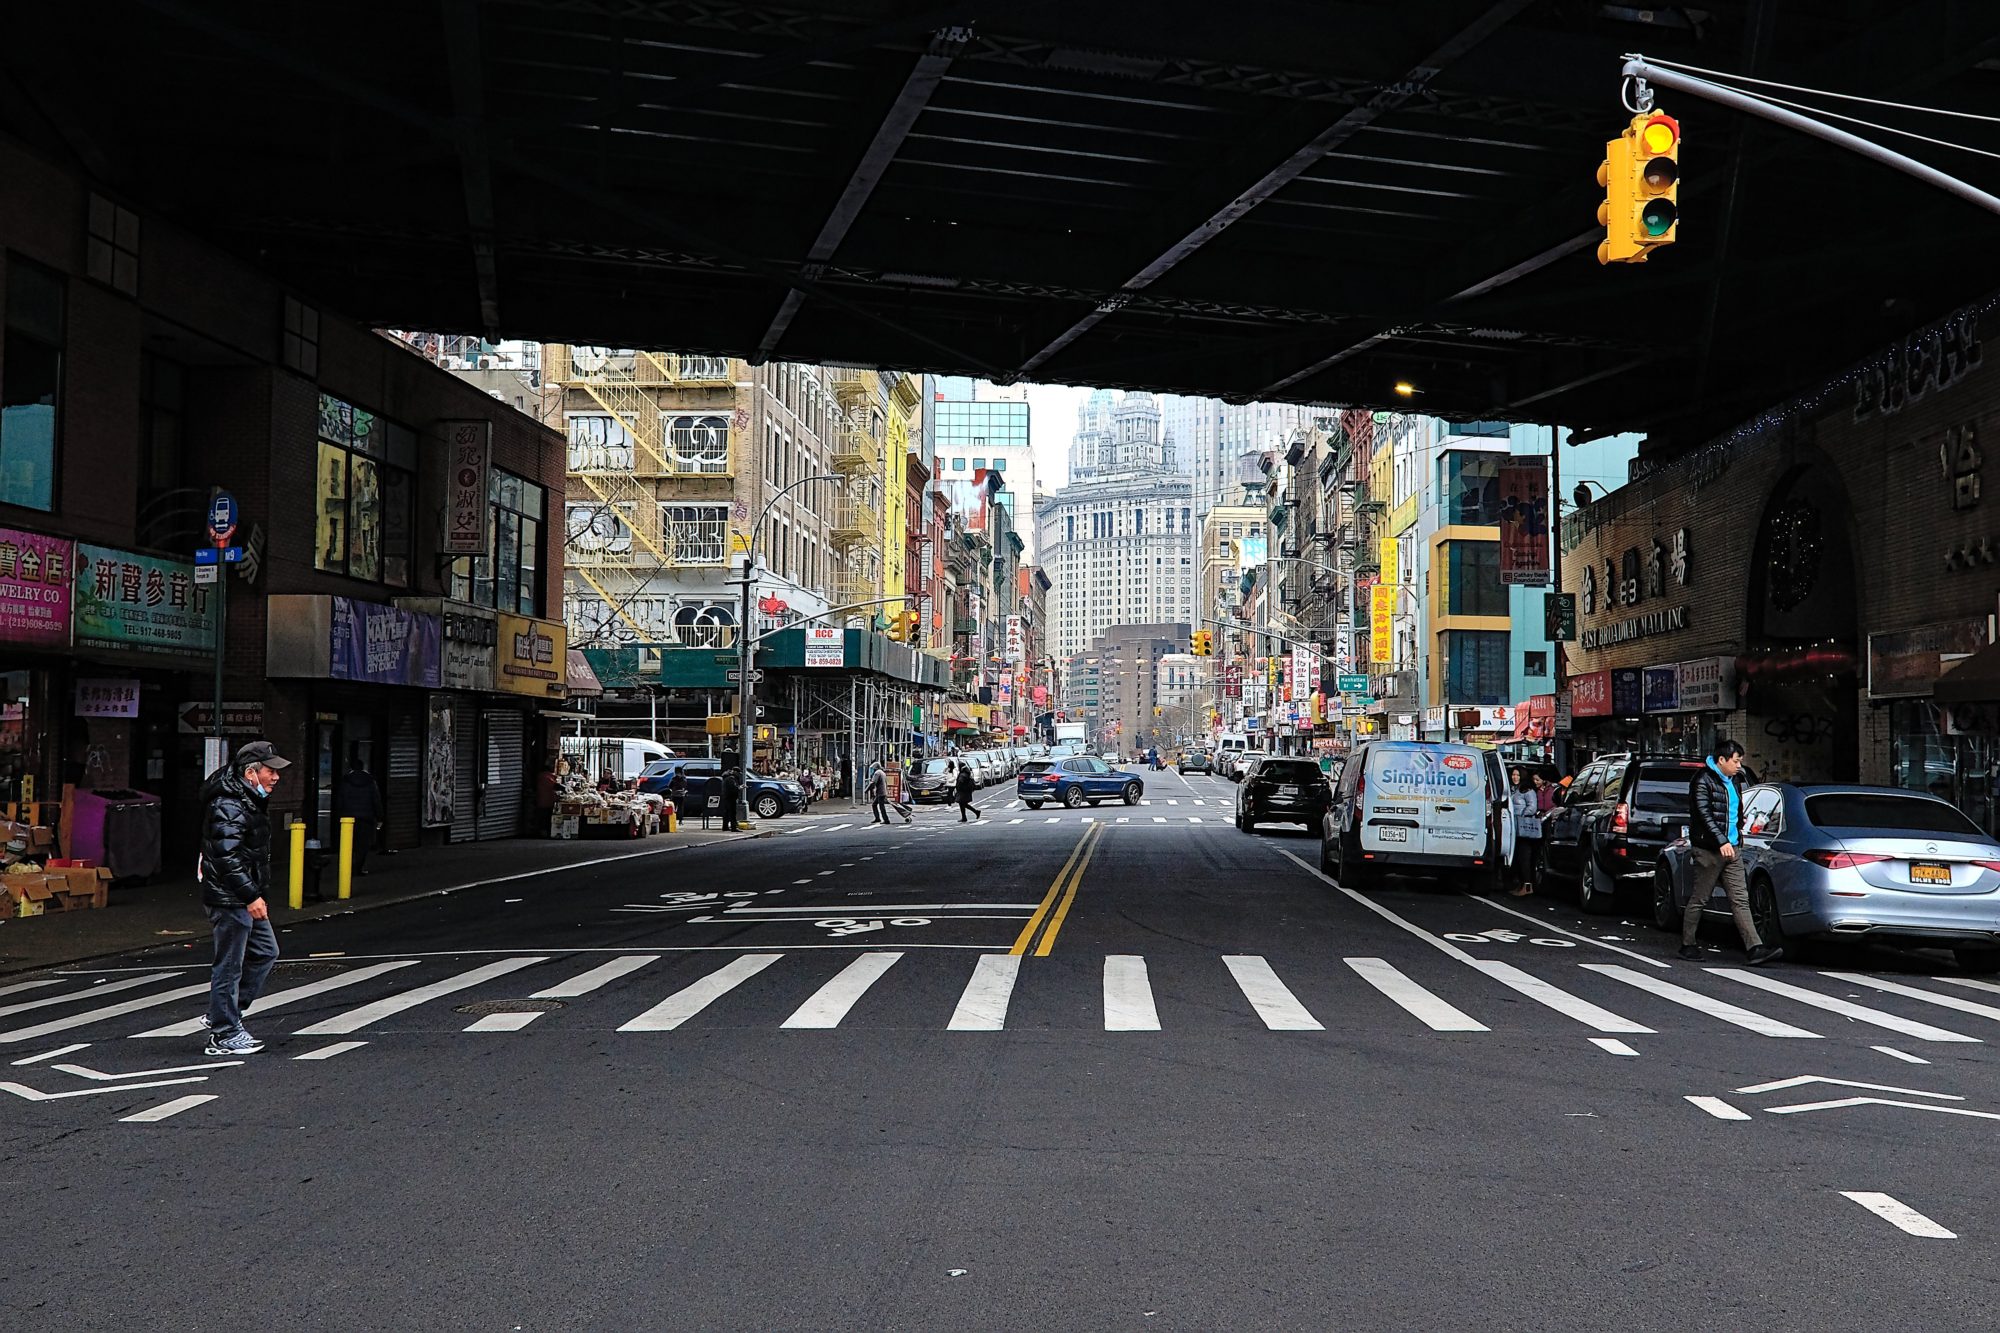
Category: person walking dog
[235,872]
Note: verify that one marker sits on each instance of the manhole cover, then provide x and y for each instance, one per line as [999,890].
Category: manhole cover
[310,969]
[508,1007]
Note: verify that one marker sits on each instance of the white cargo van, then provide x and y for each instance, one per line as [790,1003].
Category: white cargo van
[1420,807]
[623,757]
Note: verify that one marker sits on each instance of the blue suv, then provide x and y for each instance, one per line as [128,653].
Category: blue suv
[768,797]
[1075,782]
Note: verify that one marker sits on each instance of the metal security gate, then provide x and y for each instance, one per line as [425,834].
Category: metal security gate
[404,816]
[505,774]
[466,768]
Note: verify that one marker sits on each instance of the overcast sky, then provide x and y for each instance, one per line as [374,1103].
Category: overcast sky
[1051,423]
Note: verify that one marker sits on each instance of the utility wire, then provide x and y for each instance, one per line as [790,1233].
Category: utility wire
[1817,92]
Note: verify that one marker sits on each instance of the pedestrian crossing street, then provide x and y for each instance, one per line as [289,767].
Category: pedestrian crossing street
[1150,812]
[965,991]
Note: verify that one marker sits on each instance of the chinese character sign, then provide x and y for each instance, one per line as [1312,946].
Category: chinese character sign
[468,453]
[127,600]
[1524,523]
[34,589]
[96,697]
[1382,623]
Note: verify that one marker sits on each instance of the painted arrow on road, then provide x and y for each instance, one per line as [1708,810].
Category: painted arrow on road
[1804,1079]
[1882,1101]
[27,1093]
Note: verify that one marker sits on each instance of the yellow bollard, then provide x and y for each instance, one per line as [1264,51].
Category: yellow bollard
[673,818]
[297,886]
[347,856]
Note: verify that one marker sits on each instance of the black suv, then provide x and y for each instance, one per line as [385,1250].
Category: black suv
[1622,811]
[1283,790]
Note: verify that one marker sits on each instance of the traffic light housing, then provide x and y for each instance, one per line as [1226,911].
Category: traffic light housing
[1204,643]
[1641,175]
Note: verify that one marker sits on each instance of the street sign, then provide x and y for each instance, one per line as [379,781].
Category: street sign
[208,574]
[222,515]
[218,555]
[1354,684]
[244,718]
[1559,617]
[735,677]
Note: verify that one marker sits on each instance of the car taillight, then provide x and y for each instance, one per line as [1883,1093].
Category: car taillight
[1988,865]
[1843,860]
[1621,818]
[1360,790]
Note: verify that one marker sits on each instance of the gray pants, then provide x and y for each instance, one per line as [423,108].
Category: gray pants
[1710,866]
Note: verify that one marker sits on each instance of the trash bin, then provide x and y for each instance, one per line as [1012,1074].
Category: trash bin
[119,829]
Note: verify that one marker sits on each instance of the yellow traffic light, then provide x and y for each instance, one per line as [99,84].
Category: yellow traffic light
[1641,175]
[1200,646]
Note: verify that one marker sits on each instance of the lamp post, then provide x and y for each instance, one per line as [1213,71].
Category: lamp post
[746,665]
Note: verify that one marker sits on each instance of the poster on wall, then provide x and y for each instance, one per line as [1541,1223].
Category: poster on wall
[826,646]
[468,448]
[1524,523]
[1662,689]
[1627,692]
[1590,694]
[34,588]
[127,600]
[440,762]
[385,645]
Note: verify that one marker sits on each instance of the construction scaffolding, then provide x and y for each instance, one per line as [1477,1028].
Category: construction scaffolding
[852,722]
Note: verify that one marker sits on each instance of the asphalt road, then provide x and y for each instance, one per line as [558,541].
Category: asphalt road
[1119,1068]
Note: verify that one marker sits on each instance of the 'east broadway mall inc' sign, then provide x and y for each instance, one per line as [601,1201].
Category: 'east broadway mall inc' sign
[1669,621]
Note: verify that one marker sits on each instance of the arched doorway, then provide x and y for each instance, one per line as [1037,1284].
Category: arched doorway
[1799,673]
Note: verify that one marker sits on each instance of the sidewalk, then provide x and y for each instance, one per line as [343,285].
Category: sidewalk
[171,912]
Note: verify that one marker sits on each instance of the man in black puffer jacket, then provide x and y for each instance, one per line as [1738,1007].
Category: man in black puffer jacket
[1716,832]
[235,871]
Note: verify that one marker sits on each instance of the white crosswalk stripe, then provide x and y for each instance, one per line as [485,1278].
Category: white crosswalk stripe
[90,1016]
[1928,997]
[1542,992]
[356,1019]
[983,1006]
[1859,1012]
[1695,1000]
[1128,995]
[1433,1012]
[1271,998]
[87,993]
[290,995]
[684,1004]
[583,983]
[831,1002]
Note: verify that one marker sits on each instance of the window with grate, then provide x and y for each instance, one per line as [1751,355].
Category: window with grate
[695,534]
[598,442]
[698,441]
[598,529]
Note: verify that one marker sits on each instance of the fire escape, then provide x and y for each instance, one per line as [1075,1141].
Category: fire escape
[855,523]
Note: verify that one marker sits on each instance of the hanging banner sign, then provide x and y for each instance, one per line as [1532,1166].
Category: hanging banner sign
[1381,623]
[1524,523]
[467,458]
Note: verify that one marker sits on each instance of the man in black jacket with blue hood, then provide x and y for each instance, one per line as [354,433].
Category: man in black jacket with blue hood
[1717,832]
[235,871]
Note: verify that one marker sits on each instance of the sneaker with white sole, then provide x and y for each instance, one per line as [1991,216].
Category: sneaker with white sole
[238,1042]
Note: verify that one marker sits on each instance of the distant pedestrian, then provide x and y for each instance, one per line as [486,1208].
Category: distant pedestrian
[1525,804]
[1716,831]
[964,789]
[548,784]
[732,791]
[878,795]
[360,799]
[235,871]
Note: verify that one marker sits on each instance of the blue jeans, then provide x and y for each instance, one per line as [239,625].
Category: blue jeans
[245,951]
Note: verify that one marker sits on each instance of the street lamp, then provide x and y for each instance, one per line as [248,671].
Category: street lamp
[746,666]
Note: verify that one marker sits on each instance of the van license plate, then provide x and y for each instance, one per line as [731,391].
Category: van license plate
[1393,834]
[1924,873]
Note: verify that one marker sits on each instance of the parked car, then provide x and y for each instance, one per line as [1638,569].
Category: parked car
[1282,790]
[1425,807]
[622,757]
[1838,862]
[768,797]
[1196,761]
[1622,811]
[933,780]
[1238,763]
[1077,781]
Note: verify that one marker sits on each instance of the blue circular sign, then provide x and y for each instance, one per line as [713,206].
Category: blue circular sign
[222,514]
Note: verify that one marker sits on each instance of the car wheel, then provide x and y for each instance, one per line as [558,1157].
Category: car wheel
[1593,893]
[1131,793]
[1325,856]
[1034,805]
[1979,962]
[1666,916]
[768,807]
[1074,798]
[1764,912]
[1350,874]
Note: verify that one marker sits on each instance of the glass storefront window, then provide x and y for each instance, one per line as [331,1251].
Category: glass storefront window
[363,502]
[1924,757]
[31,390]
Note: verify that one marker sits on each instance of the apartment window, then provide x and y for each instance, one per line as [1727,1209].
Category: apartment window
[300,345]
[1476,667]
[698,441]
[509,576]
[978,463]
[599,442]
[958,465]
[162,387]
[999,465]
[704,625]
[112,248]
[695,534]
[31,384]
[1473,577]
[364,510]
[1534,664]
[592,528]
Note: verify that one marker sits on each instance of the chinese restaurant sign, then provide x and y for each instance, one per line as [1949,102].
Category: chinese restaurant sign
[127,600]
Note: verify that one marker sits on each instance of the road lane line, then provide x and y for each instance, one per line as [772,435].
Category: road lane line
[831,1002]
[1053,819]
[31,985]
[983,1006]
[1860,1013]
[1048,902]
[1128,995]
[1431,1010]
[1096,836]
[278,1000]
[684,1004]
[1539,924]
[1928,997]
[508,1022]
[328,1052]
[1904,1056]
[1899,1214]
[1573,1006]
[881,907]
[1722,1009]
[356,1019]
[1612,1045]
[50,1055]
[1194,819]
[88,992]
[98,1015]
[1269,996]
[1159,819]
[165,1109]
[1718,1108]
[99,1076]
[1968,981]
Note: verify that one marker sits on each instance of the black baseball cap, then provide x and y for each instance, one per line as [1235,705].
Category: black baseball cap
[260,752]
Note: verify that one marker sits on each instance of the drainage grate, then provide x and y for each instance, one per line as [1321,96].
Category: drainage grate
[310,969]
[508,1007]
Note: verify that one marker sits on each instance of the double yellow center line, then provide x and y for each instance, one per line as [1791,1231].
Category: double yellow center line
[1051,910]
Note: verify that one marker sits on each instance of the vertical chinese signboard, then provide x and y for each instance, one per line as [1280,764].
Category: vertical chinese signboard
[1382,624]
[35,588]
[127,600]
[1524,523]
[468,454]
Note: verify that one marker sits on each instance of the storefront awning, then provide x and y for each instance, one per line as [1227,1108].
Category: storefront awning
[1976,680]
[958,716]
[579,679]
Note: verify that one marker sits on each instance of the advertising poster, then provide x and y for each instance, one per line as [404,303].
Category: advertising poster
[440,762]
[127,600]
[1524,523]
[1662,689]
[384,645]
[532,657]
[34,588]
[1627,692]
[826,646]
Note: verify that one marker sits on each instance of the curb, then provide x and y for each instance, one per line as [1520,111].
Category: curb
[354,905]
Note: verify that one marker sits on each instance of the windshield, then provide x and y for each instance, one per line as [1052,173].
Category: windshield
[935,766]
[1288,770]
[1035,766]
[1887,813]
[659,768]
[1666,791]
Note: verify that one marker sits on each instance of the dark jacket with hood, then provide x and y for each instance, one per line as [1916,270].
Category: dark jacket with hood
[235,841]
[965,784]
[1710,826]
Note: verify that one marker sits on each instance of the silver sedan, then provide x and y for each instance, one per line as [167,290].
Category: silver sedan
[1829,862]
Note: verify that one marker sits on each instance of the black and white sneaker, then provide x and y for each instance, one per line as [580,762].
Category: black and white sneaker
[238,1042]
